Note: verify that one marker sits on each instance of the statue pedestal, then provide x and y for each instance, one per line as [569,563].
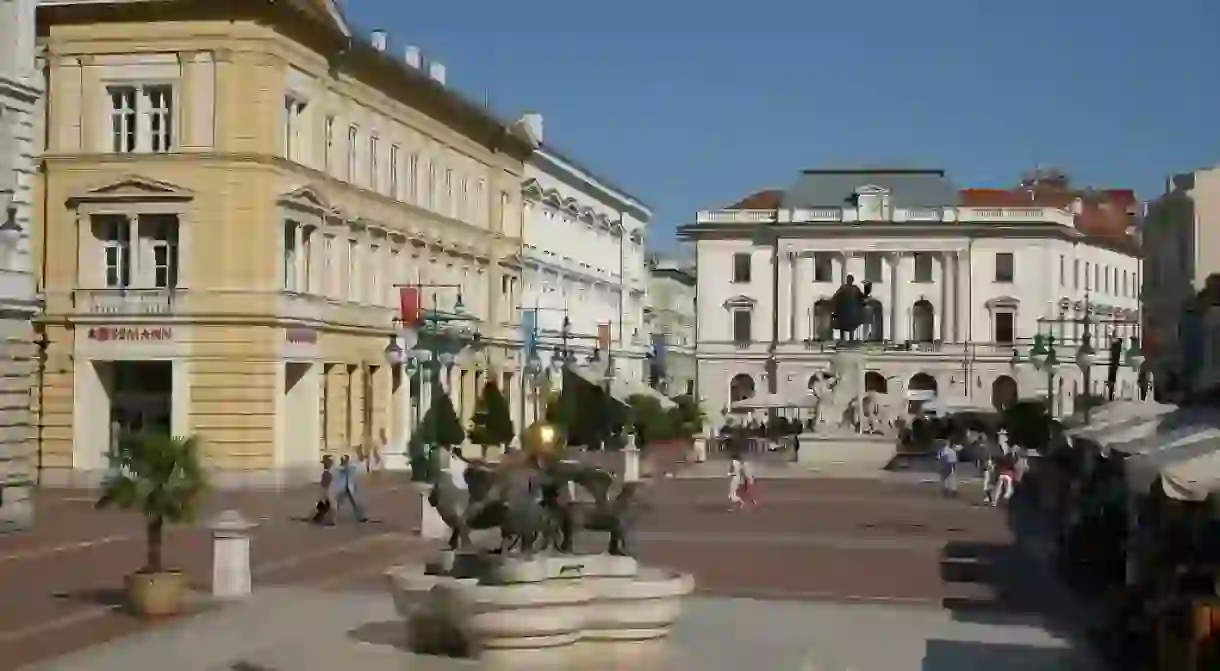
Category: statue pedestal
[846,451]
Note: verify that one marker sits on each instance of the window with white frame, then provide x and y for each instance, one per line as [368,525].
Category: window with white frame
[114,231]
[393,185]
[290,256]
[742,325]
[328,143]
[123,116]
[413,178]
[480,207]
[329,284]
[374,142]
[160,104]
[430,189]
[353,271]
[1005,327]
[503,210]
[161,231]
[353,139]
[375,293]
[449,204]
[397,275]
[463,212]
[308,283]
[294,128]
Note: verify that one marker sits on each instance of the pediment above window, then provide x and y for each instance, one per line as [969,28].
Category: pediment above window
[132,188]
[532,190]
[309,199]
[1003,302]
[739,301]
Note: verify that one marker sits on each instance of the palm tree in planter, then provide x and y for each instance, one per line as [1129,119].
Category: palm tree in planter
[161,477]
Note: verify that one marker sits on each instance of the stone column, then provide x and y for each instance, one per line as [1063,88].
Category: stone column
[231,555]
[794,291]
[945,313]
[396,457]
[898,332]
[961,296]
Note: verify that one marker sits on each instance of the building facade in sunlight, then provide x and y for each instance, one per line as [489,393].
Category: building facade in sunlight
[960,281]
[20,91]
[233,192]
[583,259]
[671,316]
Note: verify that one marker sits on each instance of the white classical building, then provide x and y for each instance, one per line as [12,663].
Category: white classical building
[672,318]
[20,91]
[583,259]
[955,290]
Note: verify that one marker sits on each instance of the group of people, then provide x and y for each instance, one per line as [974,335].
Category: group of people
[338,488]
[1002,464]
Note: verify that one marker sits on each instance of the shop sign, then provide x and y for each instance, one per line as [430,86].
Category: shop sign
[131,333]
[301,336]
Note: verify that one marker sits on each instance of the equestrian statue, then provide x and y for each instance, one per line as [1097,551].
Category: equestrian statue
[850,308]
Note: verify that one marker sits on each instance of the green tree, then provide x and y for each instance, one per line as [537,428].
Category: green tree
[492,423]
[688,417]
[440,426]
[161,477]
[649,421]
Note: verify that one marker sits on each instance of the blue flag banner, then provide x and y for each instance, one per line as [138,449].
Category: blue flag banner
[529,332]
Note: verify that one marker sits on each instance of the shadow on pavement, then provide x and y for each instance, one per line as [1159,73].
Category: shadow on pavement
[942,655]
[110,597]
[1019,584]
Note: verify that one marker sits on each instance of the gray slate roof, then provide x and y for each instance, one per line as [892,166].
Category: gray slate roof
[907,187]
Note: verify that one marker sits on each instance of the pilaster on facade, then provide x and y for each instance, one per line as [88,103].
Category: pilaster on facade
[20,103]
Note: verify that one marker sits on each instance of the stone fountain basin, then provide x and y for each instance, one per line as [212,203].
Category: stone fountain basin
[552,609]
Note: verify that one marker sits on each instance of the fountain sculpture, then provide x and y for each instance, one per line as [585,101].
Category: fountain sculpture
[534,601]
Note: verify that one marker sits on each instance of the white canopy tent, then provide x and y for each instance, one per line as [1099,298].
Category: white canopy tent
[620,390]
[944,406]
[1142,470]
[1193,479]
[1119,416]
[769,401]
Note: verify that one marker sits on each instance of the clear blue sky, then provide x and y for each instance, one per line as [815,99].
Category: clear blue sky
[691,105]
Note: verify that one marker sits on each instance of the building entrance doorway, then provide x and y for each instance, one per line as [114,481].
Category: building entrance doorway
[141,396]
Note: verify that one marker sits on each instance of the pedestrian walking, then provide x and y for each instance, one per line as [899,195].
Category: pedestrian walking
[324,510]
[947,461]
[741,482]
[346,489]
[1006,473]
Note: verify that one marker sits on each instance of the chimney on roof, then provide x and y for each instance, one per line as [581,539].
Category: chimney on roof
[413,57]
[532,122]
[436,70]
[379,40]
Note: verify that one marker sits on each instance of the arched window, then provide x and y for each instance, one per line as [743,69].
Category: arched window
[1003,393]
[741,387]
[823,320]
[923,322]
[874,381]
[922,382]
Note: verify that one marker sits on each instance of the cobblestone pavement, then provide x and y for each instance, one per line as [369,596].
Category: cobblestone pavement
[61,583]
[822,539]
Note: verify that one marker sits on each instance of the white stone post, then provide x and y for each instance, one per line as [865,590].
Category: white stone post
[231,555]
[431,525]
[631,461]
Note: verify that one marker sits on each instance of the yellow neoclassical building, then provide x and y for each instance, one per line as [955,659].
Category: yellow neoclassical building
[230,193]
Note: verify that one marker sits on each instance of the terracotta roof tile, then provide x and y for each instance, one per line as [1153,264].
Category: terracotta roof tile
[1104,213]
[767,199]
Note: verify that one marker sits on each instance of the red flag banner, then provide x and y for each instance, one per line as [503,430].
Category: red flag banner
[408,305]
[603,338]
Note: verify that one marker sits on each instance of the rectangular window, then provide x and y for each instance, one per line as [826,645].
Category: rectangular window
[160,118]
[430,187]
[1076,273]
[872,267]
[1087,276]
[503,210]
[394,173]
[294,128]
[163,235]
[463,210]
[375,293]
[823,267]
[449,202]
[353,139]
[123,116]
[741,267]
[328,265]
[290,256]
[328,143]
[1062,268]
[1005,328]
[923,267]
[1126,284]
[115,235]
[413,178]
[1003,267]
[374,147]
[742,327]
[480,207]
[353,271]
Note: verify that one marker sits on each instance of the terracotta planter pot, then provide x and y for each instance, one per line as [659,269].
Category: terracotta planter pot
[156,594]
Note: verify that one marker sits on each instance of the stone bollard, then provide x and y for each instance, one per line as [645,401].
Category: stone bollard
[631,461]
[231,555]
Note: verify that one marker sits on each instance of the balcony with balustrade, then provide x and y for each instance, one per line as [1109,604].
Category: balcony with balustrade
[125,302]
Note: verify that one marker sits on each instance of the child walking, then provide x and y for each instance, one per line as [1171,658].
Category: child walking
[741,483]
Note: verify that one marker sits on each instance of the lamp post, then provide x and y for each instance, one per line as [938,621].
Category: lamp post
[426,357]
[533,371]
